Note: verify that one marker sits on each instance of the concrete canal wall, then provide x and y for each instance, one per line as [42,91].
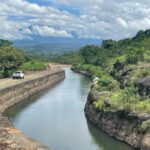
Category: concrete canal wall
[11,138]
[16,93]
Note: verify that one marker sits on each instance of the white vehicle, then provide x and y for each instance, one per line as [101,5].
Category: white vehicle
[18,75]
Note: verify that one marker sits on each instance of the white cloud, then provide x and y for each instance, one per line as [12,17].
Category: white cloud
[11,29]
[122,22]
[99,19]
[79,3]
[48,31]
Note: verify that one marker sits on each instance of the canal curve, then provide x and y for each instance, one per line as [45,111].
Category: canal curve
[56,118]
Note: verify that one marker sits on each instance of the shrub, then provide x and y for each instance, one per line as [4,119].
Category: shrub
[143,73]
[33,66]
[96,71]
[134,55]
[144,126]
[129,94]
[143,105]
[139,73]
[131,59]
[107,83]
[98,104]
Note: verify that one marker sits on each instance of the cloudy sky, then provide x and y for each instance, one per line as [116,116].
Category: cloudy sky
[94,19]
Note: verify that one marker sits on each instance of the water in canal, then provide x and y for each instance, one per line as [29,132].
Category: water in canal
[56,118]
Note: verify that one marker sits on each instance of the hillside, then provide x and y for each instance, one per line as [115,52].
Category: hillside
[52,46]
[119,98]
[122,67]
[109,51]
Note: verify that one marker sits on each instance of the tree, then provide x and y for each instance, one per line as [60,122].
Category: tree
[11,59]
[5,42]
[108,44]
[89,53]
[134,55]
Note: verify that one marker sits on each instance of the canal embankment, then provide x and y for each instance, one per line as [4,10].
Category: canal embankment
[85,73]
[121,123]
[12,92]
[128,127]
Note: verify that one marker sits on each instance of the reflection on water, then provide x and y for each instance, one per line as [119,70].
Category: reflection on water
[56,118]
[100,138]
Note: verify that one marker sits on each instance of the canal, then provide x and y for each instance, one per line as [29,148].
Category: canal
[56,118]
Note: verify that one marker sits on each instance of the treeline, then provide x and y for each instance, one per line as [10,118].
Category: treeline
[12,59]
[129,50]
[67,58]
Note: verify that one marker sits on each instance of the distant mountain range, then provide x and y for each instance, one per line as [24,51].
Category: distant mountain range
[52,46]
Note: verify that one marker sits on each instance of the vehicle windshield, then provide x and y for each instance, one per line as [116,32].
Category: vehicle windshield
[17,72]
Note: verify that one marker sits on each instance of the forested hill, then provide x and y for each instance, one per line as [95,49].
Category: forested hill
[110,50]
[142,39]
[131,48]
[45,46]
[119,66]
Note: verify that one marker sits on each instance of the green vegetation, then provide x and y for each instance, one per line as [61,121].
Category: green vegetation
[96,71]
[144,126]
[133,56]
[12,59]
[127,98]
[107,83]
[68,58]
[118,64]
[139,73]
[5,43]
[34,65]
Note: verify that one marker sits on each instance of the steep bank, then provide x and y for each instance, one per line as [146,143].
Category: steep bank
[120,70]
[121,119]
[11,138]
[120,124]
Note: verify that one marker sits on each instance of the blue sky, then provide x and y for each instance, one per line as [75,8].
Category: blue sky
[61,6]
[40,2]
[86,19]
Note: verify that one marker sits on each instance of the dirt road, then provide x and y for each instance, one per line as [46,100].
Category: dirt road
[4,83]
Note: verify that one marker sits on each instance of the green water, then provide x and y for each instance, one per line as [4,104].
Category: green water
[56,118]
